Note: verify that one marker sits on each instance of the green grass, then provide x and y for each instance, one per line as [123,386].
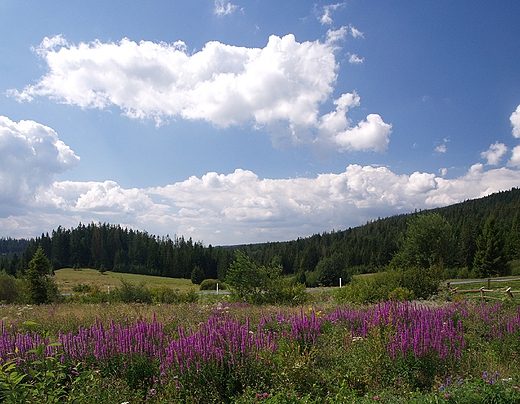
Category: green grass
[67,278]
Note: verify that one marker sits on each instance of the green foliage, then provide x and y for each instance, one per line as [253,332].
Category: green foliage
[400,294]
[164,294]
[490,258]
[129,293]
[82,288]
[211,284]
[197,275]
[428,241]
[404,284]
[9,288]
[332,268]
[40,287]
[13,388]
[257,284]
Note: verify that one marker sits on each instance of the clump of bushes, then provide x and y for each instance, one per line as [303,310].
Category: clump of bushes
[211,284]
[396,284]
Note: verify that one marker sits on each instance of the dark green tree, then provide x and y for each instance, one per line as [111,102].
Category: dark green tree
[41,288]
[513,238]
[490,259]
[428,241]
[330,269]
[197,275]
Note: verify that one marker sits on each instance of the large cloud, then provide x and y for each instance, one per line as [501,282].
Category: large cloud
[280,86]
[240,207]
[30,155]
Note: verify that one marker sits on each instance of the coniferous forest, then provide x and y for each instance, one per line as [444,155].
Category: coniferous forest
[363,249]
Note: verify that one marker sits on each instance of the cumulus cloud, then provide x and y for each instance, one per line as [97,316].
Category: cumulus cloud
[223,8]
[371,134]
[515,122]
[279,87]
[31,155]
[515,157]
[240,207]
[494,153]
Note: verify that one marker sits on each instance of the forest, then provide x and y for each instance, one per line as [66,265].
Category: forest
[364,249]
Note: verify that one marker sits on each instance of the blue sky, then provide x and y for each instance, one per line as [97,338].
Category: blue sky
[252,121]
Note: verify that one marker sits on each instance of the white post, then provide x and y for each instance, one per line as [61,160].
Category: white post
[108,289]
[340,282]
[217,288]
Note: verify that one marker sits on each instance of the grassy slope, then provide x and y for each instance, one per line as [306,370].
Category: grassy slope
[67,278]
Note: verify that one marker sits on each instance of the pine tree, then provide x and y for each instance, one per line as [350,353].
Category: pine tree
[490,257]
[40,287]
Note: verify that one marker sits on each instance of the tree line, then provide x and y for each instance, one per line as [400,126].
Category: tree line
[475,237]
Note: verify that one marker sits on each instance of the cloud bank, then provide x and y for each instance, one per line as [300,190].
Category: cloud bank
[237,207]
[280,87]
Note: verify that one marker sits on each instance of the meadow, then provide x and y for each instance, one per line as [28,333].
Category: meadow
[68,278]
[218,351]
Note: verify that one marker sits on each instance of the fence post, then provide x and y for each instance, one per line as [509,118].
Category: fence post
[489,283]
[482,294]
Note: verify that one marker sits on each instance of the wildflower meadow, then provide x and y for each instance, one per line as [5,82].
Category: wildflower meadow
[219,352]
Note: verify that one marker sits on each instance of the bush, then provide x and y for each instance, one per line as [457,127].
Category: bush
[164,294]
[409,283]
[9,288]
[82,288]
[311,279]
[129,293]
[211,284]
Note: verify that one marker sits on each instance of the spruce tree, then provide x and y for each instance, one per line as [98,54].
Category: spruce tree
[490,259]
[40,287]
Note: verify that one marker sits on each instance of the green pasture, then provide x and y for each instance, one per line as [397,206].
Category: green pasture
[67,278]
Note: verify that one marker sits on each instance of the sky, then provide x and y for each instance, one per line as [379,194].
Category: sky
[252,120]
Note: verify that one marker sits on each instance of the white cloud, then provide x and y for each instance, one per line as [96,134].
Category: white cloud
[494,153]
[326,17]
[280,87]
[515,157]
[223,8]
[240,207]
[515,122]
[355,32]
[355,59]
[442,148]
[30,156]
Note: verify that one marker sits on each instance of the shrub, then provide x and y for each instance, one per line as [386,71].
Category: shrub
[409,283]
[128,293]
[211,284]
[400,294]
[311,279]
[164,294]
[9,288]
[82,288]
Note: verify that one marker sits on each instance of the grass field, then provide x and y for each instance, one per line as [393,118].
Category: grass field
[67,278]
